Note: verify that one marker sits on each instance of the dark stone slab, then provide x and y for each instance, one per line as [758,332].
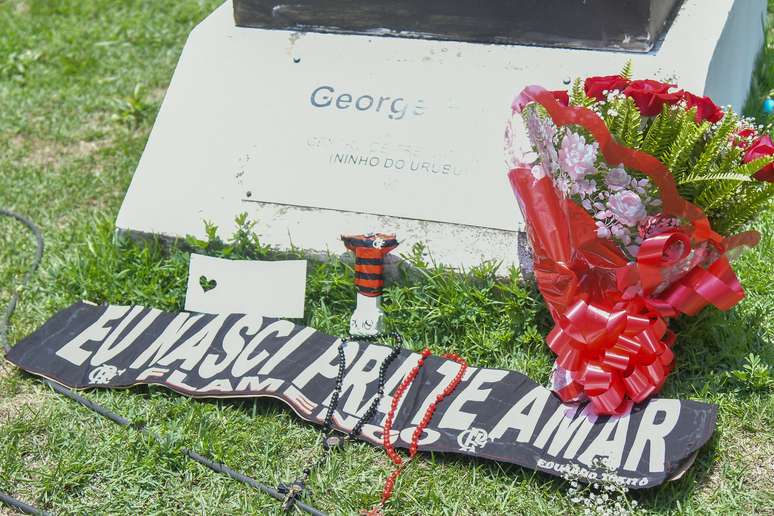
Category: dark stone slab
[632,25]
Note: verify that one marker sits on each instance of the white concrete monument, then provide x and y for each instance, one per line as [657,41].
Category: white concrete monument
[318,134]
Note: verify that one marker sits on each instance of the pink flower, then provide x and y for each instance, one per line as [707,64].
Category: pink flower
[617,178]
[585,187]
[627,207]
[576,157]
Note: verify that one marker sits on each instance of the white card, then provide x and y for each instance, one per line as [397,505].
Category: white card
[268,288]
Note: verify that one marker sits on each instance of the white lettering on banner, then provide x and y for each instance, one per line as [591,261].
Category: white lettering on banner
[255,384]
[455,418]
[392,383]
[517,419]
[429,436]
[176,379]
[327,364]
[73,351]
[192,350]
[152,372]
[299,400]
[372,433]
[220,385]
[362,372]
[604,446]
[106,352]
[287,349]
[570,433]
[654,434]
[244,363]
[449,370]
[171,334]
[233,344]
[570,426]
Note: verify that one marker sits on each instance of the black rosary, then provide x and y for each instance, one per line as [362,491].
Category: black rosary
[330,440]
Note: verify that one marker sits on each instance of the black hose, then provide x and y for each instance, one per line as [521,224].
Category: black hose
[4,323]
[21,506]
[9,310]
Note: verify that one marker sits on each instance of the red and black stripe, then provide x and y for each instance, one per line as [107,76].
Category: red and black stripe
[369,260]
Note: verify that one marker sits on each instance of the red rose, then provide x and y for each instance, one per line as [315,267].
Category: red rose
[562,97]
[594,86]
[650,96]
[705,108]
[742,139]
[761,148]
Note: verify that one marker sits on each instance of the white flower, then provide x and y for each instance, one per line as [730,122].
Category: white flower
[538,171]
[627,208]
[576,157]
[602,230]
[617,178]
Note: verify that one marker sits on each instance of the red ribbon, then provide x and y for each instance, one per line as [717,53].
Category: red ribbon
[611,314]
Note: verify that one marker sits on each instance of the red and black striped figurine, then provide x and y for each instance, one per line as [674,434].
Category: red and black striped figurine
[370,250]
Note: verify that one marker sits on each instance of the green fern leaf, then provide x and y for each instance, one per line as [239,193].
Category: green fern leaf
[718,176]
[744,209]
[748,169]
[654,132]
[578,95]
[712,149]
[627,70]
[680,151]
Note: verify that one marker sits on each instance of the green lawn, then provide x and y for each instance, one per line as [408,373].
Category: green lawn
[73,124]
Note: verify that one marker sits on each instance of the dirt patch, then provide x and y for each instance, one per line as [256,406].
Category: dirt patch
[23,399]
[47,154]
[21,8]
[753,455]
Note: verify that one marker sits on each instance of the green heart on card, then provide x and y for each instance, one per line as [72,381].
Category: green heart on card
[207,284]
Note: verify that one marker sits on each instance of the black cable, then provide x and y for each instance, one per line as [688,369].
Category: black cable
[9,310]
[4,323]
[21,506]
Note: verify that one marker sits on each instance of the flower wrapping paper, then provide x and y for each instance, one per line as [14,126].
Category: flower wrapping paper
[616,266]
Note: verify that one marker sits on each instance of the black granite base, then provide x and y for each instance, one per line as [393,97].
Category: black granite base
[632,25]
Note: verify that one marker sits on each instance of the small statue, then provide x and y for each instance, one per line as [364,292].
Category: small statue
[370,250]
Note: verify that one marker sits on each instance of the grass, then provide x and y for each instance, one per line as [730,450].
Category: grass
[80,83]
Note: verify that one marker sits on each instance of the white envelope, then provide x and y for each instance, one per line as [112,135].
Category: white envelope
[268,288]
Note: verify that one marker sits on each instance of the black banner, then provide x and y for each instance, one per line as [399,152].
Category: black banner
[495,414]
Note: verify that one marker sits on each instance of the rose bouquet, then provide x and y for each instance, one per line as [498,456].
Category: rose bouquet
[634,193]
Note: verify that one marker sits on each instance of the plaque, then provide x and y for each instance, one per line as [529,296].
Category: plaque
[318,134]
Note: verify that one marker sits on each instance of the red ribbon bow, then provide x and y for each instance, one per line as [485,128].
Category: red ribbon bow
[611,354]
